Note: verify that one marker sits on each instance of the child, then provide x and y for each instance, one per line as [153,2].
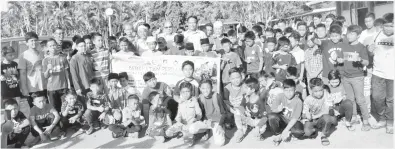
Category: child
[128,85]
[9,76]
[229,60]
[44,119]
[286,110]
[206,47]
[20,124]
[188,67]
[313,59]
[132,120]
[292,73]
[252,111]
[270,51]
[316,111]
[81,68]
[125,48]
[151,43]
[101,58]
[189,113]
[338,99]
[71,111]
[113,44]
[298,53]
[88,42]
[253,55]
[269,32]
[355,58]
[279,33]
[117,96]
[178,47]
[283,59]
[321,32]
[159,115]
[128,32]
[239,50]
[97,105]
[56,71]
[30,66]
[257,30]
[190,50]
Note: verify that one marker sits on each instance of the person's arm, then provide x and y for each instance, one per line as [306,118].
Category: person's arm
[306,112]
[24,123]
[81,110]
[276,105]
[261,60]
[34,124]
[57,117]
[295,115]
[47,70]
[364,56]
[179,116]
[198,110]
[23,75]
[74,73]
[67,70]
[64,109]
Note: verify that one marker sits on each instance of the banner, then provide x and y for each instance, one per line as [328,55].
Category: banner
[167,69]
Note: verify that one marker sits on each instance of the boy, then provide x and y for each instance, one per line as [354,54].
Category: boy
[151,43]
[313,59]
[317,19]
[30,63]
[81,68]
[44,119]
[188,67]
[56,71]
[283,59]
[229,60]
[113,44]
[286,110]
[128,85]
[117,96]
[320,30]
[292,73]
[206,47]
[270,50]
[101,58]
[9,76]
[190,51]
[239,50]
[20,124]
[159,116]
[88,42]
[71,111]
[355,58]
[97,105]
[370,29]
[253,55]
[316,110]
[297,52]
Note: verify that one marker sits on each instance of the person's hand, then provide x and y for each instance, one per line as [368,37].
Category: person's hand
[49,67]
[25,93]
[79,92]
[168,91]
[17,129]
[336,112]
[101,117]
[48,130]
[43,137]
[72,119]
[285,135]
[284,67]
[219,129]
[340,60]
[100,109]
[308,116]
[316,41]
[371,48]
[248,114]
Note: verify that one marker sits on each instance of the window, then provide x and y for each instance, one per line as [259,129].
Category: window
[383,2]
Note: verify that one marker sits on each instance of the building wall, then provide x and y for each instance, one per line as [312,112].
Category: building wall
[379,11]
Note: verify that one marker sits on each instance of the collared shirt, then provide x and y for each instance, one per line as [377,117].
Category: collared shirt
[194,37]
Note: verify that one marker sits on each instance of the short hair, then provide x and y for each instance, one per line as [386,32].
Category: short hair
[316,82]
[186,85]
[252,83]
[283,41]
[277,31]
[75,37]
[6,50]
[264,74]
[124,39]
[134,96]
[333,75]
[10,102]
[80,40]
[67,44]
[297,20]
[69,93]
[312,25]
[123,75]
[250,35]
[389,18]
[31,35]
[152,95]
[225,40]
[295,35]
[179,38]
[95,81]
[341,19]
[188,62]
[43,43]
[112,38]
[288,30]
[335,29]
[288,83]
[257,29]
[261,23]
[57,28]
[332,16]
[195,17]
[321,25]
[302,24]
[337,22]
[86,37]
[95,34]
[208,81]
[242,29]
[318,15]
[370,15]
[38,94]
[232,33]
[293,71]
[379,22]
[354,28]
[50,39]
[234,70]
[209,25]
[281,21]
[148,76]
[269,30]
[272,40]
[147,25]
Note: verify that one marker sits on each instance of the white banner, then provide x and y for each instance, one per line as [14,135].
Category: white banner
[167,69]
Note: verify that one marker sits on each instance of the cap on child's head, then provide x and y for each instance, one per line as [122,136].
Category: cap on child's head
[113,76]
[6,50]
[161,40]
[151,39]
[189,46]
[204,41]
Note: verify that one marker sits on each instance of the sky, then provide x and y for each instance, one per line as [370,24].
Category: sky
[3,5]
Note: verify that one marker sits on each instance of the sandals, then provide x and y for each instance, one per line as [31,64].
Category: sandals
[389,130]
[365,127]
[325,141]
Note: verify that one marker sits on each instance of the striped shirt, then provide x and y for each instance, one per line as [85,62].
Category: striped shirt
[101,62]
[313,63]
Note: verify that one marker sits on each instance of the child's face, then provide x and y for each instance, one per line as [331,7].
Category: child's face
[39,102]
[269,34]
[14,110]
[226,47]
[98,41]
[335,37]
[278,35]
[188,71]
[156,100]
[369,22]
[271,46]
[334,82]
[134,103]
[81,47]
[328,22]
[311,29]
[151,83]
[142,33]
[32,43]
[289,92]
[206,89]
[113,82]
[235,79]
[262,82]
[185,94]
[247,90]
[388,28]
[317,20]
[205,47]
[88,44]
[189,52]
[9,56]
[233,39]
[123,46]
[302,30]
[321,32]
[352,36]
[128,30]
[123,82]
[52,48]
[95,88]
[249,42]
[285,48]
[71,99]
[317,92]
[112,43]
[151,45]
[293,41]
[310,43]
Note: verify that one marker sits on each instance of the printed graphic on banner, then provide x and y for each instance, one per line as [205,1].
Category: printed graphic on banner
[167,69]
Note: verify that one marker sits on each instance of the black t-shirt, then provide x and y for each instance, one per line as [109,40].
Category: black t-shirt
[10,80]
[18,119]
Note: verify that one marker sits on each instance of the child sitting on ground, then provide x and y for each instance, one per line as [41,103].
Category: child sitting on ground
[292,73]
[71,111]
[159,115]
[20,127]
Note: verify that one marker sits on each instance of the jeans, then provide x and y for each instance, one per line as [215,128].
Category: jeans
[90,116]
[48,121]
[202,126]
[277,123]
[119,128]
[383,98]
[55,98]
[242,121]
[355,92]
[324,123]
[345,109]
[18,138]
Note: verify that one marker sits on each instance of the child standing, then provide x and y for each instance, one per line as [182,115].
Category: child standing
[9,76]
[128,85]
[190,50]
[239,50]
[101,58]
[206,47]
[56,71]
[71,111]
[229,60]
[253,55]
[20,124]
[81,68]
[188,67]
[313,60]
[151,43]
[270,50]
[298,53]
[283,59]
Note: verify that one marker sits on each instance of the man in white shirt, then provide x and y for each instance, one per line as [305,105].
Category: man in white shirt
[168,33]
[193,35]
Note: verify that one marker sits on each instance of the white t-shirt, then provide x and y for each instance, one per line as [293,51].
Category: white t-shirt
[366,38]
[383,60]
[151,53]
[298,54]
[194,37]
[32,63]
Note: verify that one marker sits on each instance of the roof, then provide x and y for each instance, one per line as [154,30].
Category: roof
[315,11]
[313,3]
[23,38]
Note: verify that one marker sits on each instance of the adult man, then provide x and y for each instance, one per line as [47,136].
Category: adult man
[218,35]
[168,33]
[142,34]
[193,35]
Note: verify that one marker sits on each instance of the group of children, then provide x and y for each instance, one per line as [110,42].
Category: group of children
[280,80]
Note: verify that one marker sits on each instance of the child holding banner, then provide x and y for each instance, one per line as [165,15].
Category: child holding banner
[188,67]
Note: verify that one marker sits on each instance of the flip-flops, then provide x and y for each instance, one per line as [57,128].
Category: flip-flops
[325,141]
[389,130]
